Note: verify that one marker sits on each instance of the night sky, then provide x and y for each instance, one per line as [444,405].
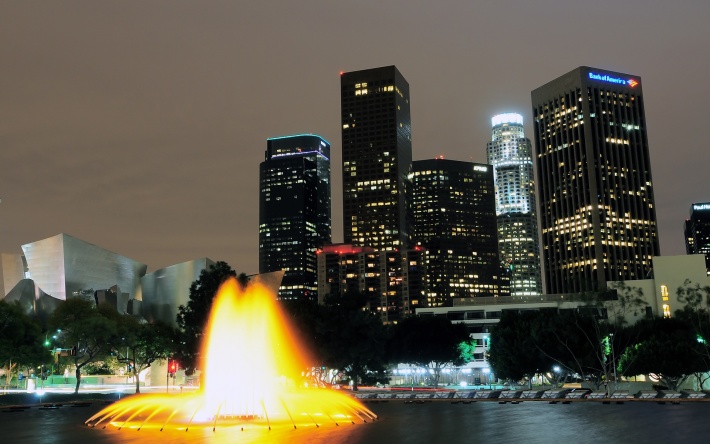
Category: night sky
[139,126]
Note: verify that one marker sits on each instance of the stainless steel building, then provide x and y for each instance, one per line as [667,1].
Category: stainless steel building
[597,214]
[166,289]
[63,266]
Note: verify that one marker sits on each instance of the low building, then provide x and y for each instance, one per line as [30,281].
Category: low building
[660,294]
[393,281]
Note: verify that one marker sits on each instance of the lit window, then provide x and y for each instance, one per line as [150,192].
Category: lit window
[666,311]
[664,292]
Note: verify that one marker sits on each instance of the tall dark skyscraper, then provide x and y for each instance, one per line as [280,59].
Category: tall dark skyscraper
[597,213]
[377,155]
[510,154]
[294,211]
[454,220]
[697,231]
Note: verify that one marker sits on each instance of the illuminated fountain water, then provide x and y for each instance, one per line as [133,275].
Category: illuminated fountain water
[252,370]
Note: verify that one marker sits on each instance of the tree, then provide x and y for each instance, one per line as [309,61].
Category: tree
[352,339]
[192,318]
[588,340]
[696,312]
[85,330]
[20,340]
[628,303]
[305,316]
[430,342]
[574,341]
[514,354]
[137,344]
[668,350]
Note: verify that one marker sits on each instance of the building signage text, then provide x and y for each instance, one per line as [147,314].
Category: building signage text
[611,79]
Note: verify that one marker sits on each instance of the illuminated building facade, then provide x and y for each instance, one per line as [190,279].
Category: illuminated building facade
[510,154]
[294,211]
[377,154]
[597,212]
[454,221]
[392,281]
[697,231]
[346,269]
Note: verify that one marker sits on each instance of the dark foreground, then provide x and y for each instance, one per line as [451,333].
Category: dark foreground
[430,422]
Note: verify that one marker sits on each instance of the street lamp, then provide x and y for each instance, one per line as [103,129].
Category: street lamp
[613,357]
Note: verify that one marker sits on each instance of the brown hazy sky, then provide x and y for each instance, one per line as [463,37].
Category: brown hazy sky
[139,126]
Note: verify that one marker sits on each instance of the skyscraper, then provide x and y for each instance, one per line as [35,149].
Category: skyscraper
[510,154]
[597,212]
[453,208]
[294,211]
[697,231]
[377,155]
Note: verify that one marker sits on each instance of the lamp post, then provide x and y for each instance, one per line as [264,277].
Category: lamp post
[557,370]
[613,357]
[487,371]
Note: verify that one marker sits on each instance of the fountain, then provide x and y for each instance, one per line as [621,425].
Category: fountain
[252,368]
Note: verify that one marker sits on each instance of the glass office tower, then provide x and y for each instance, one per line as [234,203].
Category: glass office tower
[377,156]
[597,213]
[294,211]
[697,231]
[454,220]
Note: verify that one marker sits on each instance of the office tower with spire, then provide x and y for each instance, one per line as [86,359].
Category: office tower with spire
[510,154]
[597,214]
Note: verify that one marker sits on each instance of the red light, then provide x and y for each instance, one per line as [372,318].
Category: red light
[342,72]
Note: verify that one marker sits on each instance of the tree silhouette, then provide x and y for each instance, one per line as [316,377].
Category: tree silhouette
[430,342]
[192,318]
[85,329]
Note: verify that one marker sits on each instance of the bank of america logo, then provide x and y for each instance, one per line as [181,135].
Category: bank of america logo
[611,79]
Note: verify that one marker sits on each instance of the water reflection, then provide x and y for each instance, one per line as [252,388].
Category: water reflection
[489,422]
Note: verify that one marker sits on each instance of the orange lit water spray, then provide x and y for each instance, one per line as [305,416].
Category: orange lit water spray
[252,369]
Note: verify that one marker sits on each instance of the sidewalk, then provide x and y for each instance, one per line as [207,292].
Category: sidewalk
[13,399]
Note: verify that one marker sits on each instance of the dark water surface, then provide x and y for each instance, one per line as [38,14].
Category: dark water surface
[434,422]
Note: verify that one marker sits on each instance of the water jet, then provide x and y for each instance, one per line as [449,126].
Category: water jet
[252,367]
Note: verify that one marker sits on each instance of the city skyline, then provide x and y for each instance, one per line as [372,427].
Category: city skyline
[141,131]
